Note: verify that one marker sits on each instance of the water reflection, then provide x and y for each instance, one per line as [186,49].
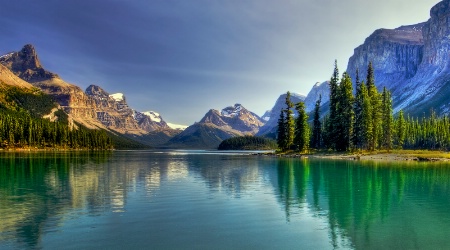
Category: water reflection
[371,205]
[363,204]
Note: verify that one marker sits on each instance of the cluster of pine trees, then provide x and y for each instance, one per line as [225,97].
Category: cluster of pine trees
[360,121]
[19,129]
[293,133]
[247,142]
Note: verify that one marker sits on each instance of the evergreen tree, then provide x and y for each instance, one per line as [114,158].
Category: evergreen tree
[317,126]
[326,134]
[345,114]
[301,139]
[375,103]
[366,120]
[334,99]
[290,124]
[387,120]
[281,132]
[358,127]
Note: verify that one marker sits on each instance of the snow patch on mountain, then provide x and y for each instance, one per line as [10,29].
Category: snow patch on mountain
[6,56]
[118,97]
[266,116]
[298,95]
[177,126]
[232,111]
[156,117]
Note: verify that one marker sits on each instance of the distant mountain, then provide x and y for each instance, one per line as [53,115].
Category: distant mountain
[269,128]
[217,126]
[318,90]
[266,116]
[236,118]
[93,108]
[177,126]
[412,61]
[201,136]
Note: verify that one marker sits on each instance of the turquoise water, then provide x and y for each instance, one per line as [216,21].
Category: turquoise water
[212,200]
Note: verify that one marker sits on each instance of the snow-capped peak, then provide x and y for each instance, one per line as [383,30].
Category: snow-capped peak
[156,117]
[300,96]
[6,55]
[118,97]
[177,126]
[232,111]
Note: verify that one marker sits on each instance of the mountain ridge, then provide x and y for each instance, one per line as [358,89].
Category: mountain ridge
[216,126]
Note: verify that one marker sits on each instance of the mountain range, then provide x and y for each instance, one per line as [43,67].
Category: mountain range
[411,61]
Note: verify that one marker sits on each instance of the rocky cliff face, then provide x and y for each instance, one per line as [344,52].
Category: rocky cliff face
[112,113]
[270,126]
[26,65]
[412,61]
[395,55]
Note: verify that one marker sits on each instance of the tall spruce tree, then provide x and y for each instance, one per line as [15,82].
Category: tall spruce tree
[289,118]
[332,128]
[326,135]
[358,109]
[317,126]
[301,139]
[375,103]
[366,121]
[281,131]
[387,120]
[345,114]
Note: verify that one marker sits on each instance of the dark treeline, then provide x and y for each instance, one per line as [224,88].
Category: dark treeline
[247,143]
[360,121]
[20,130]
[22,125]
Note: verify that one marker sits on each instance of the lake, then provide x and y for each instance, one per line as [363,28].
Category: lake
[216,200]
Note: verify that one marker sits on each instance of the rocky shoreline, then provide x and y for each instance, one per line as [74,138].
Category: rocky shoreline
[364,157]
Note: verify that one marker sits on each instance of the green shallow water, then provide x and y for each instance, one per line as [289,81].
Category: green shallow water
[212,200]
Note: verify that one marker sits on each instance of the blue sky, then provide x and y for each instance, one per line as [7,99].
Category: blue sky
[182,58]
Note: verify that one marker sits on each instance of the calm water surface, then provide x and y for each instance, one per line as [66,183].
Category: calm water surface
[209,200]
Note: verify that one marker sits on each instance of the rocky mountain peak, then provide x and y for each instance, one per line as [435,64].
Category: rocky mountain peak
[234,117]
[30,57]
[213,116]
[232,111]
[150,121]
[96,91]
[26,65]
[319,90]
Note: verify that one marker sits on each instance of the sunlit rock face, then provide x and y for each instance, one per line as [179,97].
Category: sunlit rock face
[412,61]
[395,55]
